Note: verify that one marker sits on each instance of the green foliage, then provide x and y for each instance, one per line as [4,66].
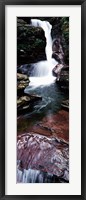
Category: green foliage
[65,28]
[65,36]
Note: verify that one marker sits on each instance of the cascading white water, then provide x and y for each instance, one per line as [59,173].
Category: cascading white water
[46,26]
[43,69]
[33,176]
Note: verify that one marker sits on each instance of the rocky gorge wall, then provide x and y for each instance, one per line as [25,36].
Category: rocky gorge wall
[31,41]
[42,144]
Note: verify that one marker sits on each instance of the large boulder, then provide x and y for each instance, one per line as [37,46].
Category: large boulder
[37,154]
[31,43]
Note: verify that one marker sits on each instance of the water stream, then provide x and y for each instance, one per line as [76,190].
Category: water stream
[42,83]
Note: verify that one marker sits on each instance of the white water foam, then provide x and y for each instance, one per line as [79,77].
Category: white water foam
[32,176]
[46,26]
[43,69]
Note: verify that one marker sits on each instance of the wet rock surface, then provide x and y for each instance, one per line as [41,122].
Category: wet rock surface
[45,147]
[43,143]
[25,102]
[58,53]
[63,80]
[54,125]
[57,70]
[65,105]
[25,69]
[22,83]
[43,153]
[31,42]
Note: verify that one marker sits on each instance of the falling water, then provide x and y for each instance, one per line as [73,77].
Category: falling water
[37,176]
[34,176]
[42,73]
[40,78]
[46,26]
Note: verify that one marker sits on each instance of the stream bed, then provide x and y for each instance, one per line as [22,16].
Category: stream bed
[43,130]
[52,97]
[43,138]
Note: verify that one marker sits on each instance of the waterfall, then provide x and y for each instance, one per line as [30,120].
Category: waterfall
[42,73]
[37,176]
[33,176]
[46,26]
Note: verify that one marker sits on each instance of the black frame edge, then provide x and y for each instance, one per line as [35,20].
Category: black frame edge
[83,100]
[2,99]
[43,2]
[2,96]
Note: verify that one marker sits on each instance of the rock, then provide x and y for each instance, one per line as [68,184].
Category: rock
[43,149]
[31,43]
[37,152]
[65,105]
[23,99]
[35,97]
[57,57]
[63,79]
[25,102]
[57,70]
[64,76]
[31,40]
[25,69]
[65,68]
[58,53]
[22,83]
[54,126]
[22,77]
[61,30]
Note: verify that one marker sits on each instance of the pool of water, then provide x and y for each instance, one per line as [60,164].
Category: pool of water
[52,97]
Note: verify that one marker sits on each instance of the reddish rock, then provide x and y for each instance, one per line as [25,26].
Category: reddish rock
[45,146]
[43,153]
[54,126]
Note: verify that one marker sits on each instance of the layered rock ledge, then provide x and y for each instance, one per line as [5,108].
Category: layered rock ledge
[44,151]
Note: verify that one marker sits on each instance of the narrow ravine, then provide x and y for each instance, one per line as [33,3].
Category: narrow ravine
[43,132]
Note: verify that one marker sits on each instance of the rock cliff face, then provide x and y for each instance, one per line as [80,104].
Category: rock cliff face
[31,43]
[31,40]
[43,143]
